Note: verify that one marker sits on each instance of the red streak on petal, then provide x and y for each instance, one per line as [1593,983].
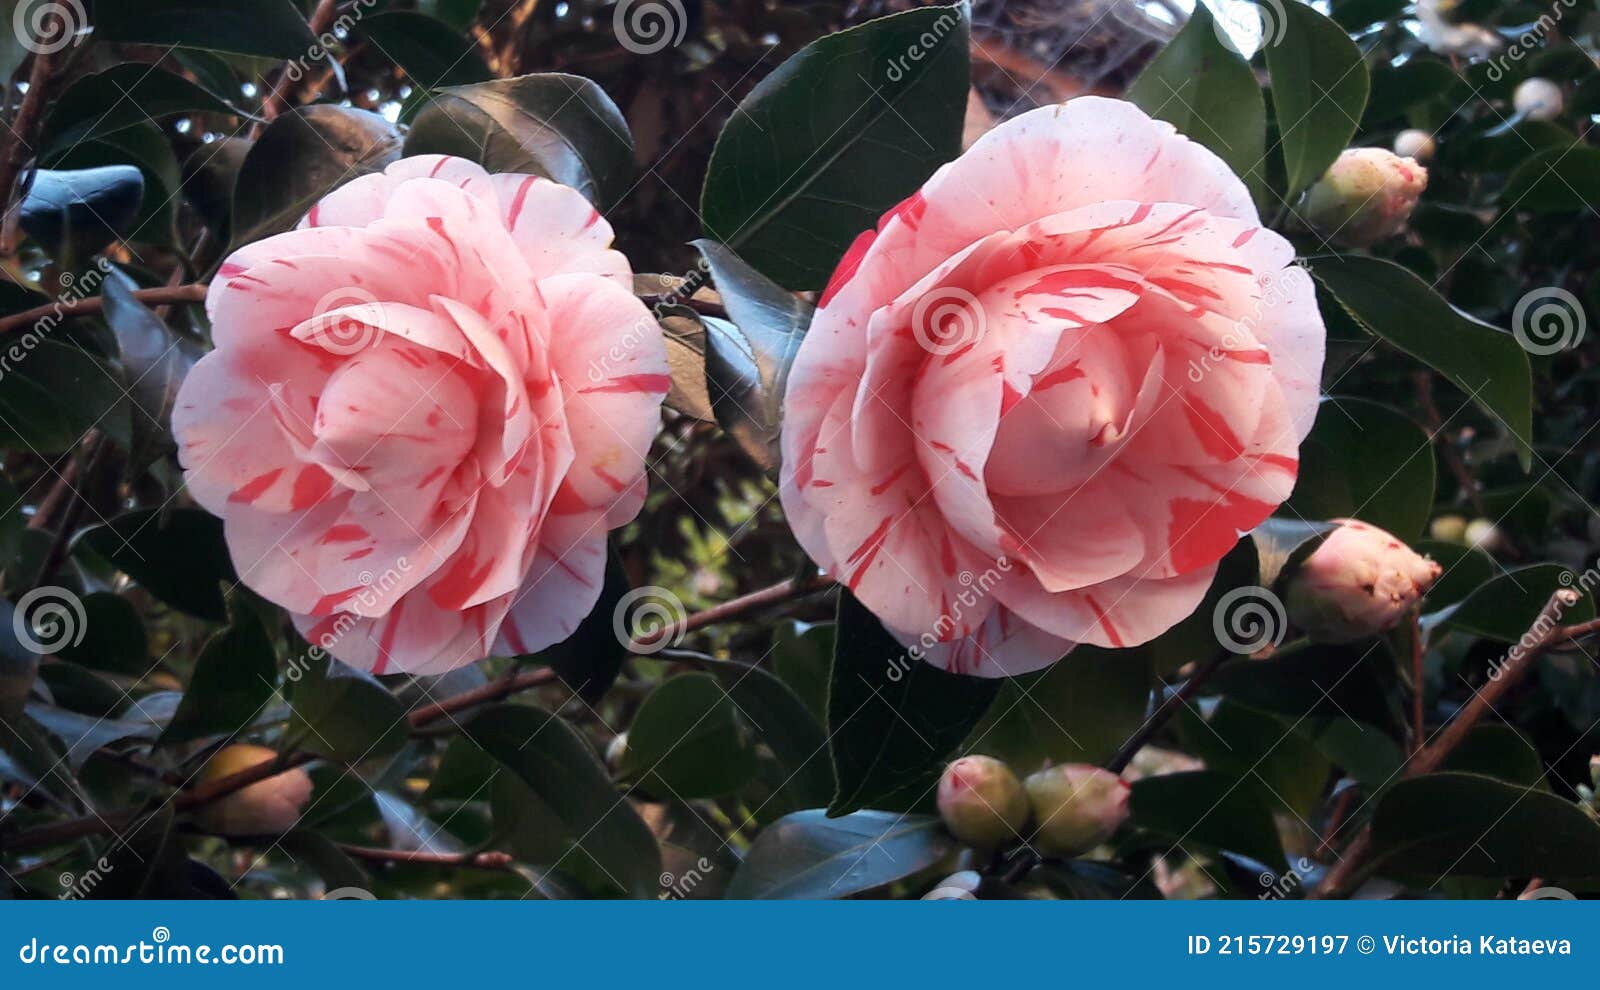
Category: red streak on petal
[327,603]
[255,487]
[566,502]
[1216,438]
[867,552]
[344,533]
[366,552]
[386,641]
[310,487]
[846,269]
[456,585]
[1105,621]
[627,384]
[889,481]
[518,200]
[438,167]
[1244,238]
[1069,372]
[611,480]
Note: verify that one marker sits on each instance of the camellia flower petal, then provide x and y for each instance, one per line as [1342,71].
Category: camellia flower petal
[1359,582]
[1044,397]
[426,407]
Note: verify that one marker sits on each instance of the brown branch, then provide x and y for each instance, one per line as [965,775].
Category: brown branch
[1546,635]
[496,861]
[194,292]
[733,608]
[1173,703]
[1419,725]
[277,99]
[19,149]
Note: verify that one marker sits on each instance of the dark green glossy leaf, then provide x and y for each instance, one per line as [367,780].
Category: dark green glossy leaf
[563,127]
[317,853]
[430,51]
[154,359]
[802,654]
[1555,180]
[145,861]
[1080,710]
[82,735]
[1367,461]
[124,95]
[830,140]
[1319,89]
[577,804]
[301,157]
[273,28]
[1275,758]
[113,637]
[53,392]
[748,360]
[1481,360]
[1398,88]
[810,856]
[343,713]
[590,659]
[1498,751]
[146,147]
[1209,93]
[792,732]
[1509,604]
[1462,824]
[234,677]
[893,719]
[1465,568]
[1206,810]
[177,555]
[685,741]
[1282,544]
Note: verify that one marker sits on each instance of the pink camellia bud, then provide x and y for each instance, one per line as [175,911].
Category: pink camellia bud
[1358,583]
[982,802]
[1367,195]
[267,807]
[1077,807]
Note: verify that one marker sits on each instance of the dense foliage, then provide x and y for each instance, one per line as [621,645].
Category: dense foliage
[727,721]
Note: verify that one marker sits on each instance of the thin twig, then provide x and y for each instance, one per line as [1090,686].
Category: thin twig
[1173,703]
[497,861]
[194,292]
[277,99]
[1544,635]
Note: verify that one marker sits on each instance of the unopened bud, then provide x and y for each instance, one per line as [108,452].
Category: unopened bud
[615,750]
[962,886]
[982,802]
[1449,529]
[1538,99]
[1485,535]
[267,807]
[1366,195]
[1413,143]
[1594,771]
[1358,583]
[1077,807]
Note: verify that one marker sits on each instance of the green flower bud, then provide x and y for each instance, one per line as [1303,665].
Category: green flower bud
[1366,196]
[1449,529]
[982,802]
[1077,807]
[267,807]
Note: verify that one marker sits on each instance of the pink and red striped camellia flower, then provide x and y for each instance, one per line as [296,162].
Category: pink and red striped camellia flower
[426,407]
[1046,395]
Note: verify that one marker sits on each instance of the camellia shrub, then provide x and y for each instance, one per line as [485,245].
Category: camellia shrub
[672,449]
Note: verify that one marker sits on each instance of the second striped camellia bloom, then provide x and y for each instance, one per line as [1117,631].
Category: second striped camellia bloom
[1048,393]
[426,407]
